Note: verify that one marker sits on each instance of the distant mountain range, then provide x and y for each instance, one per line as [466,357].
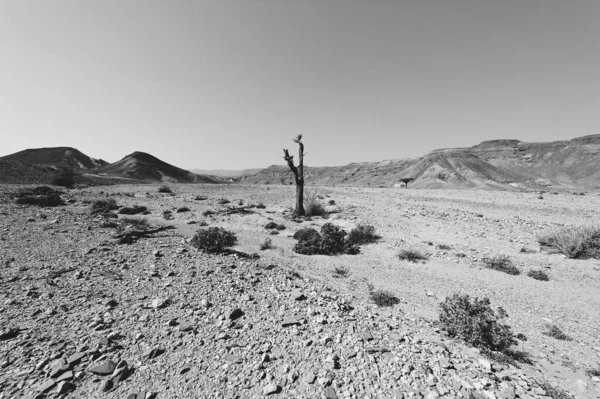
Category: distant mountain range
[41,165]
[497,164]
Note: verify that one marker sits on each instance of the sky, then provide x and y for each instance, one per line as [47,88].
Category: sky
[226,84]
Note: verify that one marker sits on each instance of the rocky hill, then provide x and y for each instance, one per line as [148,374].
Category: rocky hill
[145,167]
[61,157]
[502,164]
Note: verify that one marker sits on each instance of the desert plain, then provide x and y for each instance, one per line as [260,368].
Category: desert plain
[85,316]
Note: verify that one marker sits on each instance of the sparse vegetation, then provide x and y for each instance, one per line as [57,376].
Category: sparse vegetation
[134,210]
[104,205]
[331,202]
[223,201]
[313,206]
[260,205]
[406,180]
[383,298]
[362,234]
[444,247]
[167,215]
[200,198]
[165,189]
[183,209]
[208,212]
[270,225]
[214,239]
[137,223]
[554,392]
[593,372]
[501,263]
[40,196]
[578,242]
[538,275]
[267,244]
[476,323]
[305,233]
[552,330]
[340,272]
[412,255]
[64,179]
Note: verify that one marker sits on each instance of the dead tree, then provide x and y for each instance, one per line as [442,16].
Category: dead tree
[298,174]
[406,180]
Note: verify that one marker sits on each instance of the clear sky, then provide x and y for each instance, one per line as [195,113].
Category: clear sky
[226,84]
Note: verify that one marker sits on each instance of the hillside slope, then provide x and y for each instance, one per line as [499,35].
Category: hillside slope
[145,167]
[505,164]
[62,157]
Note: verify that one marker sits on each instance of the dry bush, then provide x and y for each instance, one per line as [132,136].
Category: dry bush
[412,255]
[340,272]
[104,205]
[165,189]
[555,392]
[383,298]
[214,239]
[577,242]
[538,275]
[134,210]
[208,212]
[555,332]
[362,234]
[40,196]
[260,205]
[200,198]
[312,205]
[267,244]
[501,263]
[183,209]
[476,323]
[270,225]
[223,201]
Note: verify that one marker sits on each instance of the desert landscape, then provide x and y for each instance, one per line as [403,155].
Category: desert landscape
[91,308]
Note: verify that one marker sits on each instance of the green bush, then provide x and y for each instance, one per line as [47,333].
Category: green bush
[476,323]
[362,234]
[501,263]
[104,205]
[214,239]
[580,242]
[330,241]
[306,233]
[134,210]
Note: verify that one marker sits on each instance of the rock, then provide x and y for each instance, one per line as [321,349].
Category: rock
[271,389]
[138,395]
[159,303]
[330,393]
[236,314]
[185,327]
[76,357]
[290,321]
[64,387]
[154,353]
[45,386]
[104,368]
[9,334]
[297,295]
[366,336]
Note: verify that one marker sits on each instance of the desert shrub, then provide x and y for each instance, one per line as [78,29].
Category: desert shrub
[267,244]
[306,233]
[593,372]
[260,205]
[312,205]
[183,209]
[270,225]
[200,198]
[555,392]
[40,196]
[332,239]
[340,272]
[64,179]
[538,275]
[134,210]
[138,224]
[501,263]
[208,212]
[214,239]
[223,201]
[104,205]
[203,223]
[165,189]
[412,255]
[280,227]
[273,232]
[167,215]
[362,234]
[578,242]
[331,202]
[552,330]
[444,247]
[309,244]
[383,298]
[476,323]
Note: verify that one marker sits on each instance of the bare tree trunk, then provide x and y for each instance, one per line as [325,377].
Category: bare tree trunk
[298,175]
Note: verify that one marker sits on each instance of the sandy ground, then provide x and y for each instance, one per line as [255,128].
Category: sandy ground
[474,224]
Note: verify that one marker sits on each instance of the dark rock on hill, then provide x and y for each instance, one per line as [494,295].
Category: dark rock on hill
[502,164]
[145,167]
[62,157]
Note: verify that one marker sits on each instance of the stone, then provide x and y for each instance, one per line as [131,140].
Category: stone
[185,327]
[366,336]
[159,303]
[64,387]
[297,295]
[330,393]
[104,368]
[45,386]
[76,357]
[290,321]
[231,358]
[236,314]
[65,376]
[309,377]
[271,389]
